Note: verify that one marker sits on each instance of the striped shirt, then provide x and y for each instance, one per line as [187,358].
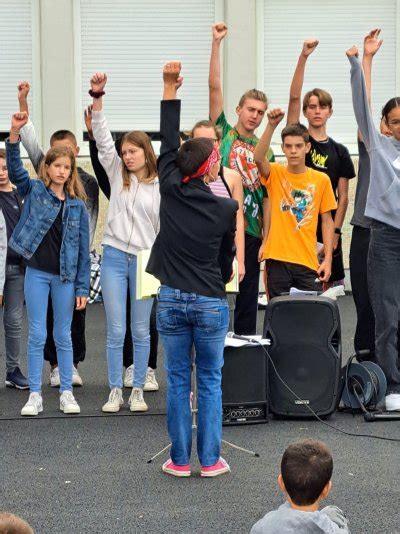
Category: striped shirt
[219,189]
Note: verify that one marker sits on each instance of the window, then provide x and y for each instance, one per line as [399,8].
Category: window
[131,40]
[18,42]
[338,25]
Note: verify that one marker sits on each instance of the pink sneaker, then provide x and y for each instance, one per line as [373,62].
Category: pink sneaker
[219,468]
[176,470]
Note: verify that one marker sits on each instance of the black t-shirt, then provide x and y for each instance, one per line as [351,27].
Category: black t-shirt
[47,255]
[332,158]
[11,205]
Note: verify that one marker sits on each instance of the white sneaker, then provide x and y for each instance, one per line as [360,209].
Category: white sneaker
[128,377]
[68,403]
[115,401]
[55,378]
[76,377]
[34,405]
[136,401]
[151,383]
[392,402]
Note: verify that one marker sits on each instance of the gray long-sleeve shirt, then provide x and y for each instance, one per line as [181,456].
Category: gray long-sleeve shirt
[383,200]
[36,155]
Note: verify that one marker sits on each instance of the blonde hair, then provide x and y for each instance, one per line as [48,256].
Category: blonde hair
[206,124]
[73,186]
[255,94]
[143,141]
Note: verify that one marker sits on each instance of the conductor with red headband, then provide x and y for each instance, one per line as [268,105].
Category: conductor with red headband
[192,257]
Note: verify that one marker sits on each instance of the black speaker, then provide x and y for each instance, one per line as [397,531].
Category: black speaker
[244,385]
[306,351]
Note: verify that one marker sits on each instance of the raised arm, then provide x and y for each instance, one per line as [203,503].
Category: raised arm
[296,86]
[100,173]
[372,44]
[214,79]
[17,173]
[108,156]
[361,108]
[28,134]
[260,153]
[169,122]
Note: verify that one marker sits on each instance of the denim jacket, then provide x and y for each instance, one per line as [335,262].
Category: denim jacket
[41,207]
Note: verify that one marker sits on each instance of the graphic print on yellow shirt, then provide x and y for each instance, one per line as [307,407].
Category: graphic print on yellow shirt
[296,200]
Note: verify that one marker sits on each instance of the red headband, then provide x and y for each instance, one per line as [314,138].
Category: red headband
[205,166]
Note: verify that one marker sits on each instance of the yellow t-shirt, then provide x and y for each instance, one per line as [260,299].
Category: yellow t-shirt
[296,200]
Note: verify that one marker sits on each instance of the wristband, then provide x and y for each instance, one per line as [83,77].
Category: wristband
[14,133]
[338,231]
[96,94]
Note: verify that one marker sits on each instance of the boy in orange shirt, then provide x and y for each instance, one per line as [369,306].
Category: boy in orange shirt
[298,194]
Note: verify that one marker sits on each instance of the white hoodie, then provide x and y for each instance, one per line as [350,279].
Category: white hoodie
[133,214]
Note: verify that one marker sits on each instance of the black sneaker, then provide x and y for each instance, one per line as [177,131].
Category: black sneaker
[15,379]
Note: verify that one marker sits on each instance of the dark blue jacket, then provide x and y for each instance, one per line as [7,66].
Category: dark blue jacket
[41,207]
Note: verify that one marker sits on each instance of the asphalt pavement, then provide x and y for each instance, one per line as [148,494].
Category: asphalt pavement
[89,473]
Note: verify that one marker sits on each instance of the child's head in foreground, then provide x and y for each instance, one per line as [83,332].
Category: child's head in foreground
[12,524]
[306,472]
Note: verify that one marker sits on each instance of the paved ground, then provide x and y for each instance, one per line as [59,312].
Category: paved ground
[89,474]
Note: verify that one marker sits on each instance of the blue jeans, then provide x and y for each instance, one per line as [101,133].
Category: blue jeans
[117,269]
[38,284]
[184,319]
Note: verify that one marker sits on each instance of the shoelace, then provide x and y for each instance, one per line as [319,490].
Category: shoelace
[68,396]
[137,396]
[34,398]
[114,395]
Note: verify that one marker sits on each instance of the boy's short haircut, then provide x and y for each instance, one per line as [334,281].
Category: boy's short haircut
[255,94]
[60,135]
[2,153]
[12,524]
[193,153]
[323,96]
[296,129]
[306,468]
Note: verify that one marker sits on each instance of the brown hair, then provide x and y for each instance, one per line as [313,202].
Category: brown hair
[12,524]
[141,140]
[60,135]
[306,469]
[73,186]
[296,129]
[255,94]
[323,96]
[2,153]
[207,124]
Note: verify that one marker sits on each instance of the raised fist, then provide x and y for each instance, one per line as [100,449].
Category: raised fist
[219,31]
[309,46]
[98,82]
[372,43]
[171,74]
[275,116]
[353,51]
[23,89]
[18,120]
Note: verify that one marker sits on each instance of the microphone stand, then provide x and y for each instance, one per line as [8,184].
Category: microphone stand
[194,411]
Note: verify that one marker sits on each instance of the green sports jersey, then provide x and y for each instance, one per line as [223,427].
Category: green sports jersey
[237,153]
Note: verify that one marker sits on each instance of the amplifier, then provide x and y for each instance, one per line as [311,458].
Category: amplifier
[244,414]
